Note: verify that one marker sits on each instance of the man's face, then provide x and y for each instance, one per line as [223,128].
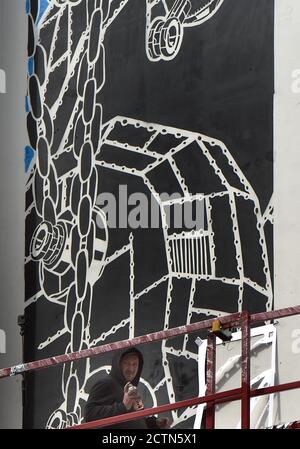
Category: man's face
[129,366]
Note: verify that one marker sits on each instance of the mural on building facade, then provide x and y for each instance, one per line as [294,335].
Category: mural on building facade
[88,282]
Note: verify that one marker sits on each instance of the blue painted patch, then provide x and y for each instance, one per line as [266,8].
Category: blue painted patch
[27,7]
[43,6]
[30,66]
[27,107]
[28,156]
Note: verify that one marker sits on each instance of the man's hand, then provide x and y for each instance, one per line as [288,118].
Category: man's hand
[163,423]
[130,397]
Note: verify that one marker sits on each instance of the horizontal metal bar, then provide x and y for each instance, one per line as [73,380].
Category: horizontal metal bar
[217,398]
[85,353]
[224,396]
[281,313]
[275,389]
[227,321]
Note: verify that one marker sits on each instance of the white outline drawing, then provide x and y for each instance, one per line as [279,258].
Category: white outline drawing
[164,33]
[67,241]
[165,21]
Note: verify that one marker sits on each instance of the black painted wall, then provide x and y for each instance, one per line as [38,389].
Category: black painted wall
[219,84]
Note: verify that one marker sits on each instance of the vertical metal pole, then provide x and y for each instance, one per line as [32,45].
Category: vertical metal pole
[245,406]
[210,379]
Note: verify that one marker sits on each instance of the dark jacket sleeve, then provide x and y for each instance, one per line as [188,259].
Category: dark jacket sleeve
[151,422]
[101,402]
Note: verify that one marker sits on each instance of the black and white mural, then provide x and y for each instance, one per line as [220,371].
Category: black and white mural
[137,106]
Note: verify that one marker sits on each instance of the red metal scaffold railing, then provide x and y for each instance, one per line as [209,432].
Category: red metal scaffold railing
[244,393]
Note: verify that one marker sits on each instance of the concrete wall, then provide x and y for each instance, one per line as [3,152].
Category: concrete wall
[287,200]
[13,31]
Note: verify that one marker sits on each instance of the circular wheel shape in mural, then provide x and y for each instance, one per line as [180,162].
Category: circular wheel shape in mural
[48,242]
[154,35]
[171,35]
[164,33]
[58,420]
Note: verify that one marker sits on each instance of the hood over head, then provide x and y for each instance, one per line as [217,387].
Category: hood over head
[116,372]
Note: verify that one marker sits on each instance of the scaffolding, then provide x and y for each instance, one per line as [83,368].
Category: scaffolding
[243,320]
